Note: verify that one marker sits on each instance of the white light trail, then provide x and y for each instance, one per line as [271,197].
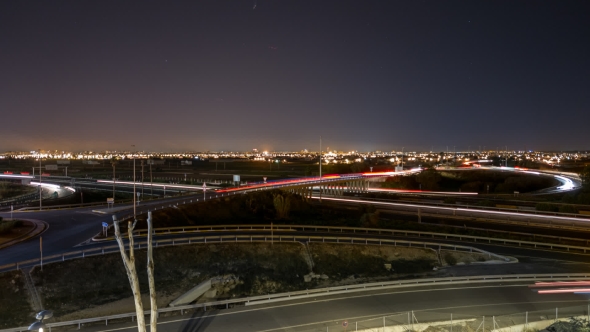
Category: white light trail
[456,209]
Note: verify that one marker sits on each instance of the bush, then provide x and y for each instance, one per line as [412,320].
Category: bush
[547,207]
[567,209]
[486,202]
[450,259]
[449,200]
[7,226]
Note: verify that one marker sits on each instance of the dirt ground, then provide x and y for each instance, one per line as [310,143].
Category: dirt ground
[100,286]
[14,306]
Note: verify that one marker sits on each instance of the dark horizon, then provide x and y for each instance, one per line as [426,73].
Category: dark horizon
[367,76]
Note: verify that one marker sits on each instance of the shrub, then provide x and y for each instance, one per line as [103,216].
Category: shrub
[450,259]
[547,207]
[567,209]
[449,200]
[7,226]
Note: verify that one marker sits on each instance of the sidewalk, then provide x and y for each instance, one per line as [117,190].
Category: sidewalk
[31,228]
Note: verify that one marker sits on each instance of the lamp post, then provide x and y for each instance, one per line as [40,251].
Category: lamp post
[134,208]
[39,325]
[151,180]
[40,187]
[113,163]
[320,169]
[320,158]
[142,177]
[506,162]
[402,158]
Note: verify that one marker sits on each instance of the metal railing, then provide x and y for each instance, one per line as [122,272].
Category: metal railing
[245,238]
[326,291]
[422,320]
[380,231]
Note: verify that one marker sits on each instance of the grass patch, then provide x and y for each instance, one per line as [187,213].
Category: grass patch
[450,259]
[15,309]
[6,226]
[9,189]
[340,261]
[85,283]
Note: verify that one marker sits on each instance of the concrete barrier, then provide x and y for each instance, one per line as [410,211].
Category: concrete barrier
[192,294]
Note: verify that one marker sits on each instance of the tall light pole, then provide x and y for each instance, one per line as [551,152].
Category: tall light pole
[40,187]
[151,181]
[320,161]
[134,209]
[402,158]
[506,163]
[320,169]
[113,163]
[142,179]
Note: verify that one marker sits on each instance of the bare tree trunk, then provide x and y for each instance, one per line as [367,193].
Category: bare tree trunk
[129,262]
[150,271]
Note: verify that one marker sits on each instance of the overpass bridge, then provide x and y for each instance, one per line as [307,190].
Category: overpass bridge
[331,184]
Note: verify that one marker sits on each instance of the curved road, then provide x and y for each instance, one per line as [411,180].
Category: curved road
[327,314]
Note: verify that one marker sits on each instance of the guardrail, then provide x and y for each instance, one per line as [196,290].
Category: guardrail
[22,199]
[390,232]
[326,291]
[245,238]
[238,227]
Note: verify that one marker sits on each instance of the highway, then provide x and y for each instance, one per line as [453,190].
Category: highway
[70,228]
[328,313]
[532,217]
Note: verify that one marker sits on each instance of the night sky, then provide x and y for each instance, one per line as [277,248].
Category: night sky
[277,74]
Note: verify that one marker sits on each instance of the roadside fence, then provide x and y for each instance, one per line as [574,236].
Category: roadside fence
[458,322]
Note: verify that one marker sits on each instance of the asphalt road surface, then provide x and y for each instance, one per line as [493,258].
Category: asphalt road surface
[327,314]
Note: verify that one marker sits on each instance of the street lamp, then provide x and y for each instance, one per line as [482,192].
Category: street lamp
[40,186]
[113,163]
[134,209]
[320,161]
[39,325]
[402,158]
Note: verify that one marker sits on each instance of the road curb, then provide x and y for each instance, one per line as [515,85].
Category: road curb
[40,227]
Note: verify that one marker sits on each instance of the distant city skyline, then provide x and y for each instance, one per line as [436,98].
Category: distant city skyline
[221,75]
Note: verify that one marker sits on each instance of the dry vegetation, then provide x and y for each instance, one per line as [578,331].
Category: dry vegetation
[339,261]
[14,305]
[99,280]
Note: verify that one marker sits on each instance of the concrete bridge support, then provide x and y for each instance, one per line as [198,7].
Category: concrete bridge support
[336,188]
[357,186]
